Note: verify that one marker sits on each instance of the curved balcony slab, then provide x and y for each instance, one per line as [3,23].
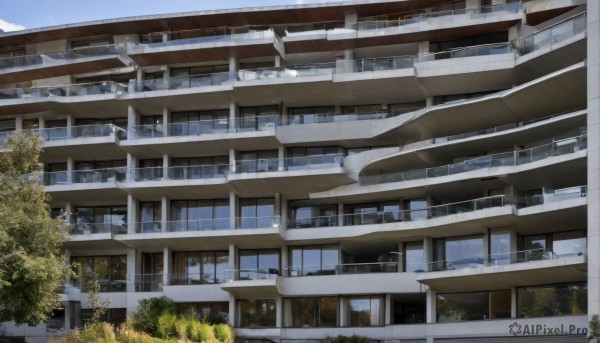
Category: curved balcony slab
[79,193]
[195,293]
[539,11]
[177,189]
[253,289]
[478,278]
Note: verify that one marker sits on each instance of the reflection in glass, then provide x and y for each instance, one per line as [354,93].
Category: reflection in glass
[364,311]
[311,312]
[552,300]
[453,307]
[414,257]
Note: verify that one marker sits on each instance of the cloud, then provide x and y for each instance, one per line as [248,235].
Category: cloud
[6,26]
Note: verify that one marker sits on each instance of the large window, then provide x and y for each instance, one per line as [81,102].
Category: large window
[313,260]
[544,246]
[304,157]
[311,312]
[309,115]
[196,267]
[258,264]
[258,118]
[150,213]
[373,213]
[414,257]
[99,171]
[552,300]
[260,313]
[109,271]
[199,122]
[312,216]
[457,252]
[499,246]
[257,213]
[364,311]
[258,161]
[100,219]
[214,313]
[453,307]
[199,167]
[195,215]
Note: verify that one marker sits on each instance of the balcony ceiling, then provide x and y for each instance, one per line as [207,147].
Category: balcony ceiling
[212,19]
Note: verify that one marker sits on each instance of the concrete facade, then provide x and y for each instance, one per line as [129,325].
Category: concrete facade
[409,171]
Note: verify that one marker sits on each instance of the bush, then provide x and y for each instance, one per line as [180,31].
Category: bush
[149,310]
[223,333]
[166,326]
[181,329]
[198,332]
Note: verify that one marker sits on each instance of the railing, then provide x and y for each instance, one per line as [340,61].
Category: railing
[383,217]
[341,269]
[208,39]
[146,282]
[557,195]
[290,164]
[57,57]
[253,274]
[313,118]
[178,279]
[512,257]
[210,224]
[146,174]
[200,127]
[550,35]
[84,176]
[409,20]
[92,228]
[182,82]
[83,131]
[82,89]
[513,158]
[198,172]
[292,71]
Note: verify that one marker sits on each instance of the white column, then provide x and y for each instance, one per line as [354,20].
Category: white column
[232,164]
[132,120]
[232,262]
[166,114]
[19,122]
[430,306]
[131,165]
[281,157]
[233,210]
[69,125]
[233,114]
[164,213]
[401,257]
[166,167]
[388,309]
[278,312]
[131,270]
[423,48]
[284,260]
[41,122]
[341,215]
[233,68]
[284,114]
[277,219]
[278,61]
[593,156]
[166,265]
[232,311]
[284,213]
[131,214]
[70,170]
[513,302]
[514,245]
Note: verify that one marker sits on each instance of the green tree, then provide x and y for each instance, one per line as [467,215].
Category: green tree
[32,264]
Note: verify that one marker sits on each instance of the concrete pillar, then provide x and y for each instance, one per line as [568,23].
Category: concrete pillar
[514,245]
[348,54]
[166,167]
[400,257]
[131,214]
[233,67]
[278,312]
[284,260]
[284,114]
[131,272]
[486,244]
[428,101]
[281,156]
[131,166]
[69,213]
[423,48]
[165,37]
[19,122]
[277,61]
[41,123]
[343,313]
[166,121]
[341,214]
[232,164]
[233,262]
[233,210]
[166,266]
[233,115]
[166,76]
[70,170]
[513,32]
[276,220]
[68,314]
[430,306]
[513,302]
[388,309]
[350,19]
[164,213]
[284,213]
[472,4]
[70,125]
[132,121]
[139,74]
[232,311]
[428,252]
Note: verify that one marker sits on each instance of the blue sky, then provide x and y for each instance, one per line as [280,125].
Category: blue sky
[19,14]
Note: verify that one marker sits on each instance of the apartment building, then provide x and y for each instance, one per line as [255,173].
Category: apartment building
[409,170]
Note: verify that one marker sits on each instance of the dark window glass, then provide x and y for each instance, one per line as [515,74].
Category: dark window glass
[473,306]
[552,300]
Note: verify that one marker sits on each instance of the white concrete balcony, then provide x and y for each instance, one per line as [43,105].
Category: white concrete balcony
[70,62]
[253,283]
[506,270]
[208,48]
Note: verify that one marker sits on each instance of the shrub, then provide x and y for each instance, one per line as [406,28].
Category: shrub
[149,310]
[181,329]
[223,333]
[166,325]
[198,332]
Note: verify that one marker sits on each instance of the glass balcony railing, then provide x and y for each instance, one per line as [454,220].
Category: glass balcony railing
[341,269]
[84,131]
[82,89]
[199,225]
[384,217]
[198,172]
[91,228]
[85,176]
[290,164]
[557,195]
[209,224]
[182,82]
[413,22]
[146,282]
[148,227]
[201,127]
[58,57]
[178,279]
[514,158]
[287,72]
[314,118]
[513,257]
[551,35]
[253,35]
[253,274]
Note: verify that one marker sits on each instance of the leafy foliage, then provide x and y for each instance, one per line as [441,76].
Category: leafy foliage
[594,332]
[149,310]
[31,259]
